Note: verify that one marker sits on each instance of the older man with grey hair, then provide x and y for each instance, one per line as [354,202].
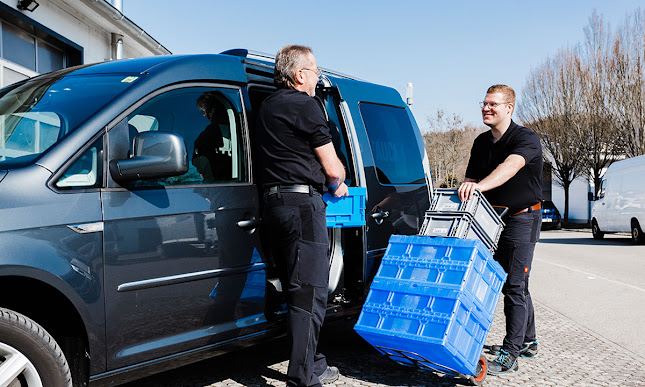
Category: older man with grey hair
[297,163]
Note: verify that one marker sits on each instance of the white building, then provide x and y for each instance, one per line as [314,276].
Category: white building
[39,36]
[579,204]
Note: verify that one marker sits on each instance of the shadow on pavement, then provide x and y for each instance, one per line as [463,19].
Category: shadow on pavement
[358,360]
[607,241]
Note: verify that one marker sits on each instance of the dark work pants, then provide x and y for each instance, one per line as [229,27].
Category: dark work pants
[515,254]
[299,244]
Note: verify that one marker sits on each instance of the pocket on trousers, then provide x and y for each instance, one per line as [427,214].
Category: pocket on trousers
[282,224]
[313,263]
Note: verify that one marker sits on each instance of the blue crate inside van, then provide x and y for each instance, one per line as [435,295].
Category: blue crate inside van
[347,211]
[432,302]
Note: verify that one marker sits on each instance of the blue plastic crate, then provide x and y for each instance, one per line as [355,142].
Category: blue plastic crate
[347,211]
[432,302]
[465,265]
[448,342]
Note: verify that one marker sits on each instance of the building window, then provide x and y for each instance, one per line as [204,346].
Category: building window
[18,47]
[49,58]
[24,55]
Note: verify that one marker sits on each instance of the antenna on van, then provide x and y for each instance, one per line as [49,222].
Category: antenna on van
[408,94]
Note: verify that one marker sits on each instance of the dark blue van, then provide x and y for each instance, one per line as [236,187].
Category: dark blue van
[123,253]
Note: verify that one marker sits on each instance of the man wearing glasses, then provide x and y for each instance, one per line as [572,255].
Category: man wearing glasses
[297,163]
[506,166]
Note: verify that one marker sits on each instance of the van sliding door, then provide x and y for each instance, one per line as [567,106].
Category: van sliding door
[392,153]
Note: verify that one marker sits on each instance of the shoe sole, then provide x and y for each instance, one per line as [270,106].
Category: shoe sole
[529,356]
[511,371]
[328,381]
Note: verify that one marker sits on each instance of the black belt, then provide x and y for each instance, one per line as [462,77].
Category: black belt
[297,188]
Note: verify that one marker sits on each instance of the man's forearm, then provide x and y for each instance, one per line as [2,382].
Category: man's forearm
[502,173]
[499,176]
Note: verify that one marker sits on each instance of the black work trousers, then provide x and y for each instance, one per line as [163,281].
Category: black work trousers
[299,244]
[515,254]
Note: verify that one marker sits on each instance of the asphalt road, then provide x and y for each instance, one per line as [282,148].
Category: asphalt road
[589,298]
[597,284]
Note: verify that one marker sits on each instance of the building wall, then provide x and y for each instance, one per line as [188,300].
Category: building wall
[579,205]
[79,23]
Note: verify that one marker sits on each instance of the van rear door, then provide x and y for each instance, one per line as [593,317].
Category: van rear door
[391,157]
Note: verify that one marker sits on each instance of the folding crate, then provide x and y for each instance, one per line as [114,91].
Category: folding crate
[432,302]
[347,211]
[455,225]
[446,201]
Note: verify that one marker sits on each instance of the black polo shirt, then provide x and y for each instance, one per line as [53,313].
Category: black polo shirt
[525,188]
[290,125]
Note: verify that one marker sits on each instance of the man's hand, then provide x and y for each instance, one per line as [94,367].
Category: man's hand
[341,190]
[467,189]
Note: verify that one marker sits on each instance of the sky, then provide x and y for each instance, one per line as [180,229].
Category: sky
[451,51]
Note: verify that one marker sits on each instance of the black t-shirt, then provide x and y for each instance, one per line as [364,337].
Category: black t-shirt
[525,188]
[290,125]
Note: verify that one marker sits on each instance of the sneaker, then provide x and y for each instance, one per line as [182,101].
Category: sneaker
[504,364]
[529,350]
[329,376]
[494,349]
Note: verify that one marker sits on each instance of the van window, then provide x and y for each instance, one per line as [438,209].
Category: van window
[210,122]
[37,114]
[33,132]
[86,171]
[601,191]
[394,146]
[338,136]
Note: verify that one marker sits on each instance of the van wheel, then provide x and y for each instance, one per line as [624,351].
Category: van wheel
[29,356]
[595,230]
[637,234]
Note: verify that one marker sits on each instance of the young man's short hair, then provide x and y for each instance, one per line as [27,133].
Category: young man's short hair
[506,91]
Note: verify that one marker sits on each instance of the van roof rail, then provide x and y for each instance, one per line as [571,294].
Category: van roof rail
[248,54]
[244,53]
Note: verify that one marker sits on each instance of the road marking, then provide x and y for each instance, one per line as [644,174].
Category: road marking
[591,275]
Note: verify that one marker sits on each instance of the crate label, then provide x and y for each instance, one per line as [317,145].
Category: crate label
[440,230]
[450,206]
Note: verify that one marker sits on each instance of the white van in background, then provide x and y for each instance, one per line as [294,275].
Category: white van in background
[620,205]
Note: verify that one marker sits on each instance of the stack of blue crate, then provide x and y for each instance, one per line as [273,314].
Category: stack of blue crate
[432,302]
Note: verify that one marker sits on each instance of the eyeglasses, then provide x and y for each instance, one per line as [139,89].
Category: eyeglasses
[318,72]
[492,105]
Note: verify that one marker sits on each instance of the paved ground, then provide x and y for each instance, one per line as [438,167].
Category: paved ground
[571,353]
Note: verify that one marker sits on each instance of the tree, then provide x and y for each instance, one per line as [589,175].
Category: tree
[551,108]
[627,99]
[448,146]
[602,143]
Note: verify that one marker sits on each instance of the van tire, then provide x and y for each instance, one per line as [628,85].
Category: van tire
[22,339]
[637,233]
[595,230]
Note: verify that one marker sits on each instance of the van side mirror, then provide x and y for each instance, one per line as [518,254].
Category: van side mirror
[590,196]
[156,155]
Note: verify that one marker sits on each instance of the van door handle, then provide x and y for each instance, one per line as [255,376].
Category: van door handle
[378,215]
[248,224]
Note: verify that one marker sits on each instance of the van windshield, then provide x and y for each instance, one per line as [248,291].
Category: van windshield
[37,114]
